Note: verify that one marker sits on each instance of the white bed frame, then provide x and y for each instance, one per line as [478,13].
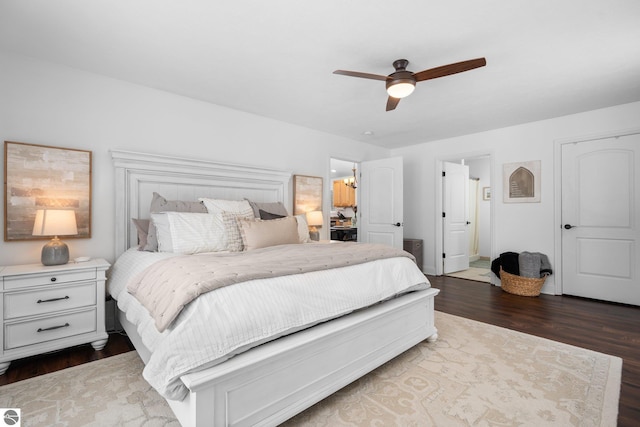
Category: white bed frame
[272,382]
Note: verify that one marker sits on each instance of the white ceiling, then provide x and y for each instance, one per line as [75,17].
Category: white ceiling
[342,168]
[275,58]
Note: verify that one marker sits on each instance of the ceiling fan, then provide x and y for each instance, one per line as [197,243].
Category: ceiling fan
[402,82]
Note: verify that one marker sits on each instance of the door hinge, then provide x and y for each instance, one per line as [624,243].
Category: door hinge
[444,255]
[444,215]
[444,173]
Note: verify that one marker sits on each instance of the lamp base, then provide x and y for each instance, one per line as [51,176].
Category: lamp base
[314,234]
[55,252]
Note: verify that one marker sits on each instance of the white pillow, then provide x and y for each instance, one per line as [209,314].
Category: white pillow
[303,228]
[189,233]
[240,207]
[160,223]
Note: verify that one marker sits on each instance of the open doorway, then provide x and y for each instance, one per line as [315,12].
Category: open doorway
[477,242]
[343,187]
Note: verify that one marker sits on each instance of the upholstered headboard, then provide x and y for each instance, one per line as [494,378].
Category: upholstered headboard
[138,175]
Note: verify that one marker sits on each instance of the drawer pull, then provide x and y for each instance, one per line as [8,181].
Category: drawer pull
[40,301]
[53,327]
[53,279]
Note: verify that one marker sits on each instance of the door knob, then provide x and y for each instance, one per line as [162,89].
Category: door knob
[397,224]
[569,226]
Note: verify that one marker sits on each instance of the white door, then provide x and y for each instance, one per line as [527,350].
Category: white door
[601,219]
[380,208]
[455,217]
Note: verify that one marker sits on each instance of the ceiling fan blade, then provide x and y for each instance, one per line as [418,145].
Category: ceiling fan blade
[392,103]
[447,70]
[359,74]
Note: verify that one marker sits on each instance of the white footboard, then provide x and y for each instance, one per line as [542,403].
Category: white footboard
[273,382]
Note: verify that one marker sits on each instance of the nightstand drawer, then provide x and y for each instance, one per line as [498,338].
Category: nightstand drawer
[51,328]
[48,300]
[52,278]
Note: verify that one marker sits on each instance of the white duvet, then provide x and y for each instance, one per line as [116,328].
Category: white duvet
[234,318]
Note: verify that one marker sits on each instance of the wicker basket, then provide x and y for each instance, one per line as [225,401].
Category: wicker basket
[518,285]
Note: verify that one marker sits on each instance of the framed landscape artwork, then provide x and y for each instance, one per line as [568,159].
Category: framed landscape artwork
[41,177]
[307,194]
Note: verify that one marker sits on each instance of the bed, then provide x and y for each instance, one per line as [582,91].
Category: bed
[271,379]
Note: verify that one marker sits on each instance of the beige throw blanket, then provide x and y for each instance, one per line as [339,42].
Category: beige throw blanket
[167,286]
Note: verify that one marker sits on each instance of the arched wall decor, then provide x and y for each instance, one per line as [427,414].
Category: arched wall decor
[521,182]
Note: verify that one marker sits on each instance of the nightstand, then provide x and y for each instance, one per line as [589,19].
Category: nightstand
[49,308]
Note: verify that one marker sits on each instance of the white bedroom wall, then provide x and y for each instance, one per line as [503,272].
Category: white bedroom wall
[517,226]
[42,103]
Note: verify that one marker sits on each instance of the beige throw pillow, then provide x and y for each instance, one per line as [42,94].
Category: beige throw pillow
[261,234]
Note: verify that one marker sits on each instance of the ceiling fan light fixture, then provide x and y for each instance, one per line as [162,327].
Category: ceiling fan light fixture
[401,83]
[401,88]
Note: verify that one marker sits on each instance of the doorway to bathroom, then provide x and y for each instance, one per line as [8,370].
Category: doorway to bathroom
[466,221]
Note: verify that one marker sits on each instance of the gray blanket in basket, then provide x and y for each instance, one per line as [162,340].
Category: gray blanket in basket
[534,264]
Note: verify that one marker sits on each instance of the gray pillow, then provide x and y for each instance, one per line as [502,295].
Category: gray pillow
[268,215]
[160,204]
[271,207]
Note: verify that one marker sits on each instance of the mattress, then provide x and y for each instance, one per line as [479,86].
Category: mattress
[232,319]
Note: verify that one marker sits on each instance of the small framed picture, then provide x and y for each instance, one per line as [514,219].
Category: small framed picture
[486,193]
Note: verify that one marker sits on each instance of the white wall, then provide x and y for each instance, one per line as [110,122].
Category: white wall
[517,226]
[42,103]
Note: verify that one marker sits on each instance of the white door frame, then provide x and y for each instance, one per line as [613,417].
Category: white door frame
[438,168]
[557,214]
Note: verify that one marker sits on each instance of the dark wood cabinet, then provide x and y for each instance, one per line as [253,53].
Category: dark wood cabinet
[414,247]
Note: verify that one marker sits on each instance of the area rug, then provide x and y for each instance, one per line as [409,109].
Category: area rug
[473,273]
[481,263]
[474,375]
[107,392]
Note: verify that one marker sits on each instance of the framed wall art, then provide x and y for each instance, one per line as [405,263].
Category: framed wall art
[486,193]
[44,177]
[307,194]
[521,182]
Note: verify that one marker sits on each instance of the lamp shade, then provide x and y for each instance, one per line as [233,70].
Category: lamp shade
[314,218]
[55,222]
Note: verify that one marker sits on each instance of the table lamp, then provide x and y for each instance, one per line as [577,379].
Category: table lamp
[314,219]
[55,222]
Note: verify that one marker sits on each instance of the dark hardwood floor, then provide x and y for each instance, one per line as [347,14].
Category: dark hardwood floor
[30,367]
[607,328]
